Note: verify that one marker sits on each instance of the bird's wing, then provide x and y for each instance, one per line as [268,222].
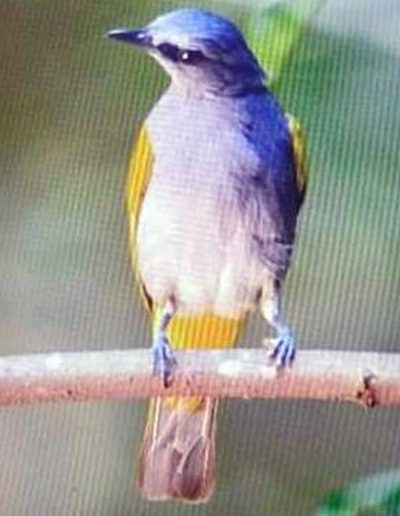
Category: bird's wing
[271,193]
[300,153]
[139,174]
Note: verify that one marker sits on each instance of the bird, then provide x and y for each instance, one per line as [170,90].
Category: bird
[215,184]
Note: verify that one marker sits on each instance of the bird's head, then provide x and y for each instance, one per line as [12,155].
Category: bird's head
[201,51]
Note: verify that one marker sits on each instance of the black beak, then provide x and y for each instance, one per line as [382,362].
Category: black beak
[137,37]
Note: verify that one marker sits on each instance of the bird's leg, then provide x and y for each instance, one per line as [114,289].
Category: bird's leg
[284,344]
[163,357]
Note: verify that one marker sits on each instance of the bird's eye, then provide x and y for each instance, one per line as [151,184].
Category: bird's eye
[175,54]
[191,57]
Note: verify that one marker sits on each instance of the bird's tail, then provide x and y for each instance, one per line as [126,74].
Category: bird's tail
[177,460]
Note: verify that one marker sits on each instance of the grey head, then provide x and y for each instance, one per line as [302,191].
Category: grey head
[204,53]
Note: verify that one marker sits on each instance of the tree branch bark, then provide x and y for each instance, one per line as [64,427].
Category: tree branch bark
[368,378]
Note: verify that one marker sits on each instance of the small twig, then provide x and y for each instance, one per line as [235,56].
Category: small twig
[369,378]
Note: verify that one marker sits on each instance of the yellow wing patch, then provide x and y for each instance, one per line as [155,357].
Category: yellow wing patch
[300,152]
[139,174]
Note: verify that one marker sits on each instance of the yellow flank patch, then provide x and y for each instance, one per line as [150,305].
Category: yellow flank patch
[140,168]
[207,331]
[300,154]
[139,174]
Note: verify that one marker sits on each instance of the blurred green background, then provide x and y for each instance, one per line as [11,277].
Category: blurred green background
[69,103]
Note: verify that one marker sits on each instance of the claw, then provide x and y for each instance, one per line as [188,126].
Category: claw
[284,350]
[164,361]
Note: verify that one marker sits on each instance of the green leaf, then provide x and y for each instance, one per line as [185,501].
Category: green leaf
[379,493]
[273,32]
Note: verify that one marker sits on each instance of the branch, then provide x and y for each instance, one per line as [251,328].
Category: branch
[369,378]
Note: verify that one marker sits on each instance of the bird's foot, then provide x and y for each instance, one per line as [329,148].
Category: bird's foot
[164,361]
[283,350]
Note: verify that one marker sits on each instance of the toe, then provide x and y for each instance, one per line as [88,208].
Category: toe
[284,352]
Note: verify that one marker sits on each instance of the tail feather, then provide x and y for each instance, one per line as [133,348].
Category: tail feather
[177,460]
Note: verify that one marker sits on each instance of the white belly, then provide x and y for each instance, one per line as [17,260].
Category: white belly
[192,247]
